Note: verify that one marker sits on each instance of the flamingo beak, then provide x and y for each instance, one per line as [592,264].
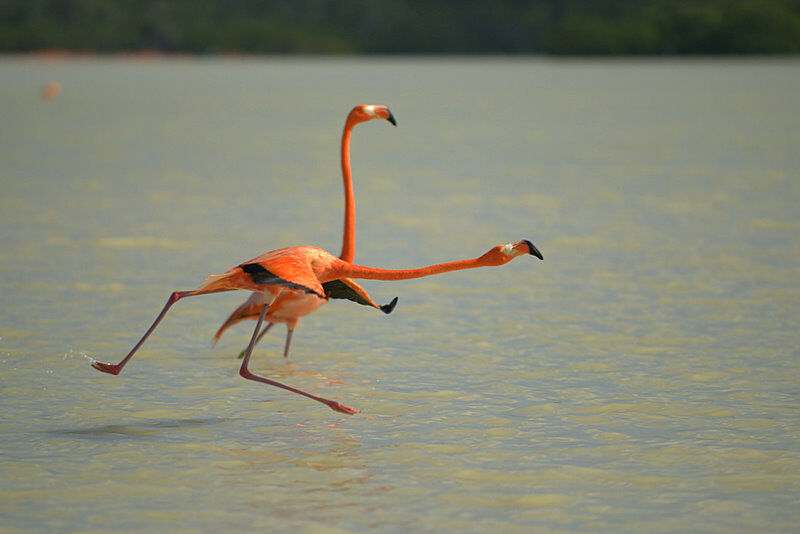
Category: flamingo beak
[533,250]
[390,118]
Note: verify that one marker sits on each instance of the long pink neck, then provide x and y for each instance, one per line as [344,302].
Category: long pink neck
[371,273]
[349,234]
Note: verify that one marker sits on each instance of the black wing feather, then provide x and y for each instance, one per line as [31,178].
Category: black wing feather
[336,289]
[260,275]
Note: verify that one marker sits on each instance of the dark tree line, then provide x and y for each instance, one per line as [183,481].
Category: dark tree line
[404,27]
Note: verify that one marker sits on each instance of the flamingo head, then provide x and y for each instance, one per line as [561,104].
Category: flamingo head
[364,113]
[502,254]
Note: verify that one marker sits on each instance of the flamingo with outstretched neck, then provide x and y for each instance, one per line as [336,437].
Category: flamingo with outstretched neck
[293,306]
[312,271]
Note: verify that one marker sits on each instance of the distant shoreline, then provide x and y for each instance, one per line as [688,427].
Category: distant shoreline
[603,28]
[145,54]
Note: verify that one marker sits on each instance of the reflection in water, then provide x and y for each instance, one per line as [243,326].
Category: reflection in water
[325,468]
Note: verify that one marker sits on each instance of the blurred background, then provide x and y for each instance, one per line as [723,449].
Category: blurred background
[404,27]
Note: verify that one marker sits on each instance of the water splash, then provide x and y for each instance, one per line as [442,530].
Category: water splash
[72,353]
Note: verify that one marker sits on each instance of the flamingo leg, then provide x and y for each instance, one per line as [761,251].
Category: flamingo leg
[264,331]
[288,342]
[245,373]
[114,369]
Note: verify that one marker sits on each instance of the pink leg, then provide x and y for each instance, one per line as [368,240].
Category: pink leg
[264,331]
[114,369]
[245,372]
[288,342]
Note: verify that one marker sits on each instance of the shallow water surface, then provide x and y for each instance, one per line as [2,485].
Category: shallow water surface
[644,377]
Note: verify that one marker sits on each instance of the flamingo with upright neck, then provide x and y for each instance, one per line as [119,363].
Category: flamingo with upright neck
[292,306]
[314,272]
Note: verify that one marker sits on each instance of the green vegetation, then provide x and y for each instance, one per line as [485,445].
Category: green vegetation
[411,26]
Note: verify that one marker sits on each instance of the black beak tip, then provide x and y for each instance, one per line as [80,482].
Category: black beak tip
[533,250]
[390,118]
[388,308]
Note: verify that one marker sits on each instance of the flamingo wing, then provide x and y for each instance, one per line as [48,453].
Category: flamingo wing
[289,267]
[263,276]
[345,288]
[286,268]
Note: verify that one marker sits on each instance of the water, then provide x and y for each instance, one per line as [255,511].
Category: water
[644,377]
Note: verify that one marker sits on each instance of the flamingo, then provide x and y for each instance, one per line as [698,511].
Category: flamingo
[296,305]
[312,271]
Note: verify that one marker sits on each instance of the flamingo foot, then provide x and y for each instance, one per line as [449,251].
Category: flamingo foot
[109,368]
[339,407]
